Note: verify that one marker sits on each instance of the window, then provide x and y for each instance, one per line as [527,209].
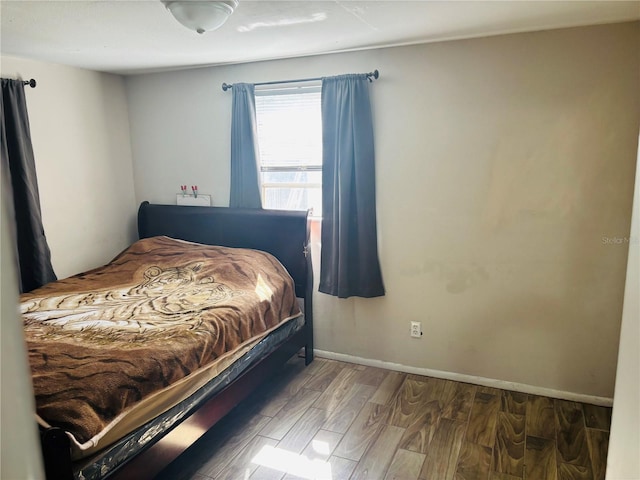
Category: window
[290,139]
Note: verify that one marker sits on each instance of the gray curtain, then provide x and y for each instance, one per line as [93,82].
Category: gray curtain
[349,263]
[245,176]
[20,189]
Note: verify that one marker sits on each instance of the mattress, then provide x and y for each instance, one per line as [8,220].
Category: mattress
[113,348]
[107,460]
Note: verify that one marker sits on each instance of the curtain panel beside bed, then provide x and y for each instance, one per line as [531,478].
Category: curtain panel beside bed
[349,264]
[245,169]
[20,189]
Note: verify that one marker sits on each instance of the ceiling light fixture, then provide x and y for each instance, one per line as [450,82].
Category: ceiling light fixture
[201,15]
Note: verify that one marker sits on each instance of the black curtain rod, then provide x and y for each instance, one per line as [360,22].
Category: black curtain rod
[31,83]
[226,86]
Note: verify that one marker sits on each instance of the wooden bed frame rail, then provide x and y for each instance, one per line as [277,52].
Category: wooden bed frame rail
[284,234]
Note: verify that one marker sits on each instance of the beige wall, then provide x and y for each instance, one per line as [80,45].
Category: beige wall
[80,134]
[623,462]
[504,177]
[18,430]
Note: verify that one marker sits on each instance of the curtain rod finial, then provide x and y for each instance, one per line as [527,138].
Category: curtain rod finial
[226,86]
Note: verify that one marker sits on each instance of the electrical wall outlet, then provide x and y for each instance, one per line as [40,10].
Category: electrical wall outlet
[416,329]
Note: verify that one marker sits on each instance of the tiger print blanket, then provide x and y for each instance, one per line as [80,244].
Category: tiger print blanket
[104,340]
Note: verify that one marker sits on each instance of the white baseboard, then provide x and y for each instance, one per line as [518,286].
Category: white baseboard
[459,377]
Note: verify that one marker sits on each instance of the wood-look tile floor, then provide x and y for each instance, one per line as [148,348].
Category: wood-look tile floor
[335,420]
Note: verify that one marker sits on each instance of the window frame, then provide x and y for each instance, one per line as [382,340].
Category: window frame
[312,87]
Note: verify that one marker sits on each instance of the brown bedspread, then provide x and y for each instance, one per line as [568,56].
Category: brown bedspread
[101,341]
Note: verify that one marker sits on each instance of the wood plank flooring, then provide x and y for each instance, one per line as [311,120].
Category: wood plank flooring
[340,421]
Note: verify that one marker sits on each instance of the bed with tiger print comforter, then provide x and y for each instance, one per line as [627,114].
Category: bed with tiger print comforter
[112,348]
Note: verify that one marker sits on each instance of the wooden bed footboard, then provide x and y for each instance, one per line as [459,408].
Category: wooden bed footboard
[284,234]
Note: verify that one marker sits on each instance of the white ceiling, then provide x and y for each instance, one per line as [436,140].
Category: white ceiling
[134,36]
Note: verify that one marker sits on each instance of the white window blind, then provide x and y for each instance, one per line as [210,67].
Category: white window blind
[290,140]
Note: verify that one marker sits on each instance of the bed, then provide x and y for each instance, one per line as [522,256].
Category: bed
[216,301]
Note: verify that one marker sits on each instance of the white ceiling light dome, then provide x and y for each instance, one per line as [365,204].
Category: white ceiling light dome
[201,15]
